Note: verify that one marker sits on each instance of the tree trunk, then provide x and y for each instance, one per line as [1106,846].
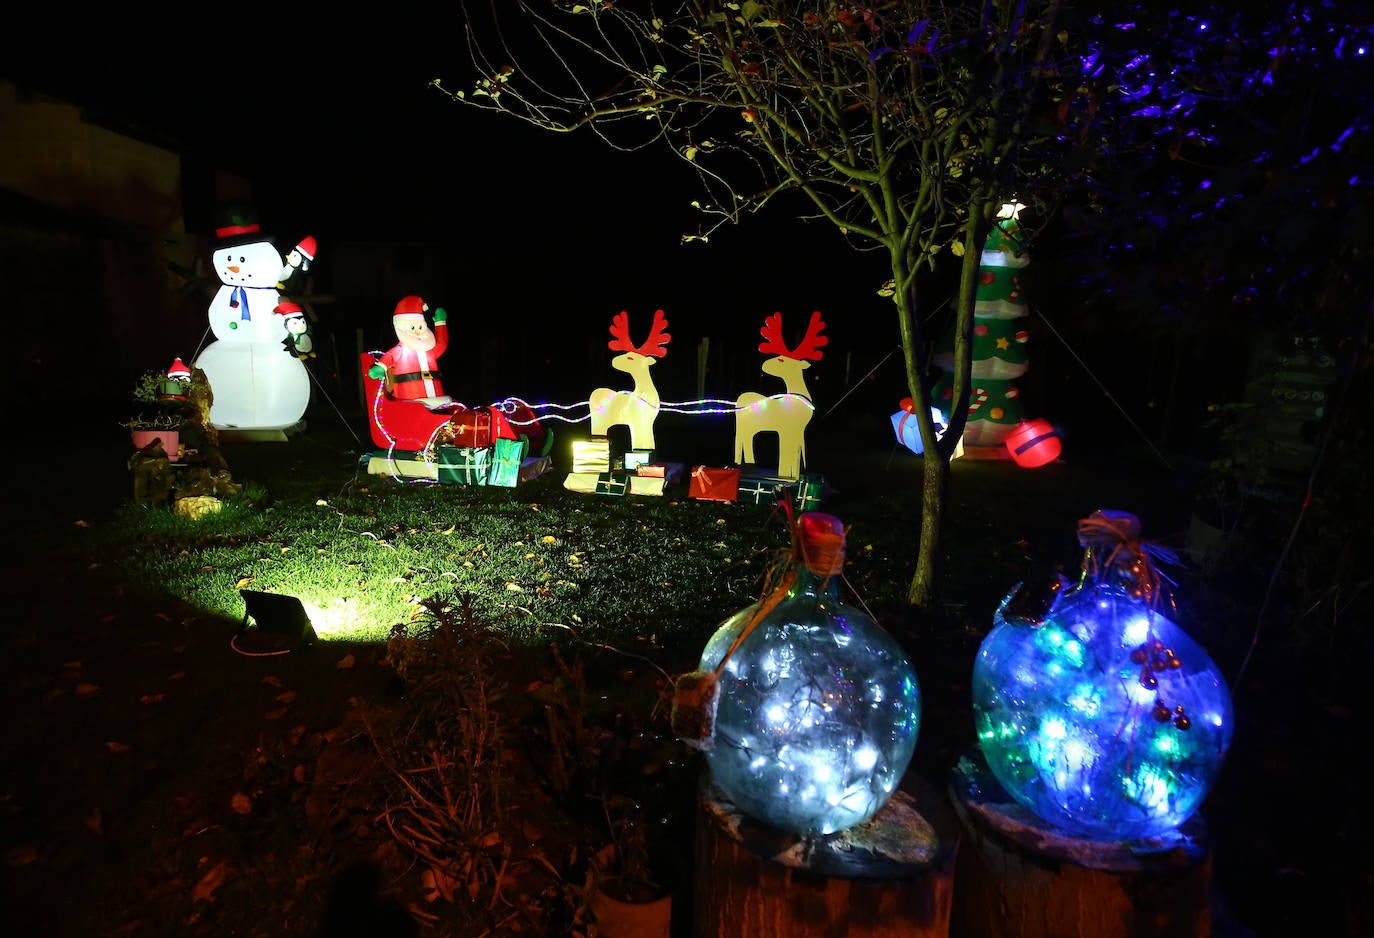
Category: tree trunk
[934,487]
[1018,879]
[891,877]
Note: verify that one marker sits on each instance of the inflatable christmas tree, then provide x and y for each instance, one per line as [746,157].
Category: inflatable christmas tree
[999,345]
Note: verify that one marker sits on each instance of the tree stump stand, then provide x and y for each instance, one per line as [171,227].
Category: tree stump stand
[1020,879]
[890,876]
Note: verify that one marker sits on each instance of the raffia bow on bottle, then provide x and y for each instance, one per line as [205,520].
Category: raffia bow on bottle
[1114,552]
[696,693]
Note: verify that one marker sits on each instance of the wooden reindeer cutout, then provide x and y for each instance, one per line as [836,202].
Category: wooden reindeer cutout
[785,414]
[637,408]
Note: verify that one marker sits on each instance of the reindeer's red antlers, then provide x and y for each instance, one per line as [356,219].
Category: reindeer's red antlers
[809,347]
[655,345]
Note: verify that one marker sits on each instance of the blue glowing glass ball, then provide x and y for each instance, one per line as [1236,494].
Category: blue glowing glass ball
[817,713]
[1103,719]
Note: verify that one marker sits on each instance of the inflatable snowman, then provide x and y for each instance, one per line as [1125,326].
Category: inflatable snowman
[257,384]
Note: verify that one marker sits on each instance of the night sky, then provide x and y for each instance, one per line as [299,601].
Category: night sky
[558,231]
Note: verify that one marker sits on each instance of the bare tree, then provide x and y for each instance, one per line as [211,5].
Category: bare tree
[906,124]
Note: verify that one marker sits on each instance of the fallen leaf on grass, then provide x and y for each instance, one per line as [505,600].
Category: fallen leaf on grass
[22,855]
[150,698]
[241,803]
[272,680]
[116,747]
[87,689]
[286,696]
[275,714]
[346,662]
[176,675]
[94,822]
[205,889]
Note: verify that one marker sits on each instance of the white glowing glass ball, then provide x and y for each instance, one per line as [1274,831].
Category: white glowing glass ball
[1105,720]
[817,714]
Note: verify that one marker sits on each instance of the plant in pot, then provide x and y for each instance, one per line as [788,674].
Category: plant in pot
[160,396]
[150,426]
[624,894]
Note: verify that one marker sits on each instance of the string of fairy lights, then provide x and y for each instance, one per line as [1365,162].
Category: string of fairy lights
[512,407]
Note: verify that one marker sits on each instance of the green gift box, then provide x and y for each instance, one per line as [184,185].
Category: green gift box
[807,495]
[464,465]
[612,483]
[764,491]
[507,455]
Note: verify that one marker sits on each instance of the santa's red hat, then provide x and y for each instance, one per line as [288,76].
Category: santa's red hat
[307,248]
[289,309]
[411,306]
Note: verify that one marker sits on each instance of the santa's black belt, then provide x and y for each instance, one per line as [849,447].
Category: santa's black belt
[415,376]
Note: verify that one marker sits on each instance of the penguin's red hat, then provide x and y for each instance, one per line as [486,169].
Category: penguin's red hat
[411,306]
[307,248]
[288,309]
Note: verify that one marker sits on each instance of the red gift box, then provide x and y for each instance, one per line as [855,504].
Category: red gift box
[717,485]
[477,428]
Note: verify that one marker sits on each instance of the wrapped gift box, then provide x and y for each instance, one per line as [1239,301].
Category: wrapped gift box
[807,495]
[403,464]
[762,490]
[714,484]
[506,459]
[532,467]
[647,485]
[592,455]
[581,481]
[475,427]
[612,483]
[670,472]
[636,458]
[464,465]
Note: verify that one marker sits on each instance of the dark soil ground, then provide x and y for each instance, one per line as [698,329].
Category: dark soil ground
[133,725]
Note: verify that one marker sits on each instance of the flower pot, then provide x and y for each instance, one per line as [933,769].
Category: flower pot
[625,907]
[617,918]
[171,440]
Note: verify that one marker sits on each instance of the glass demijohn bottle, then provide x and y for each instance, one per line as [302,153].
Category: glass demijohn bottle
[1099,714]
[817,708]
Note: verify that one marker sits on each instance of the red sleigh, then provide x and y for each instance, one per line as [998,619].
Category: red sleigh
[413,427]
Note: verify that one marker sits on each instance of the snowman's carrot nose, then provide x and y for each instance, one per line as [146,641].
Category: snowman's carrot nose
[233,268]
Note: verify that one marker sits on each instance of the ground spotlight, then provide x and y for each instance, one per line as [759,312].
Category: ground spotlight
[281,621]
